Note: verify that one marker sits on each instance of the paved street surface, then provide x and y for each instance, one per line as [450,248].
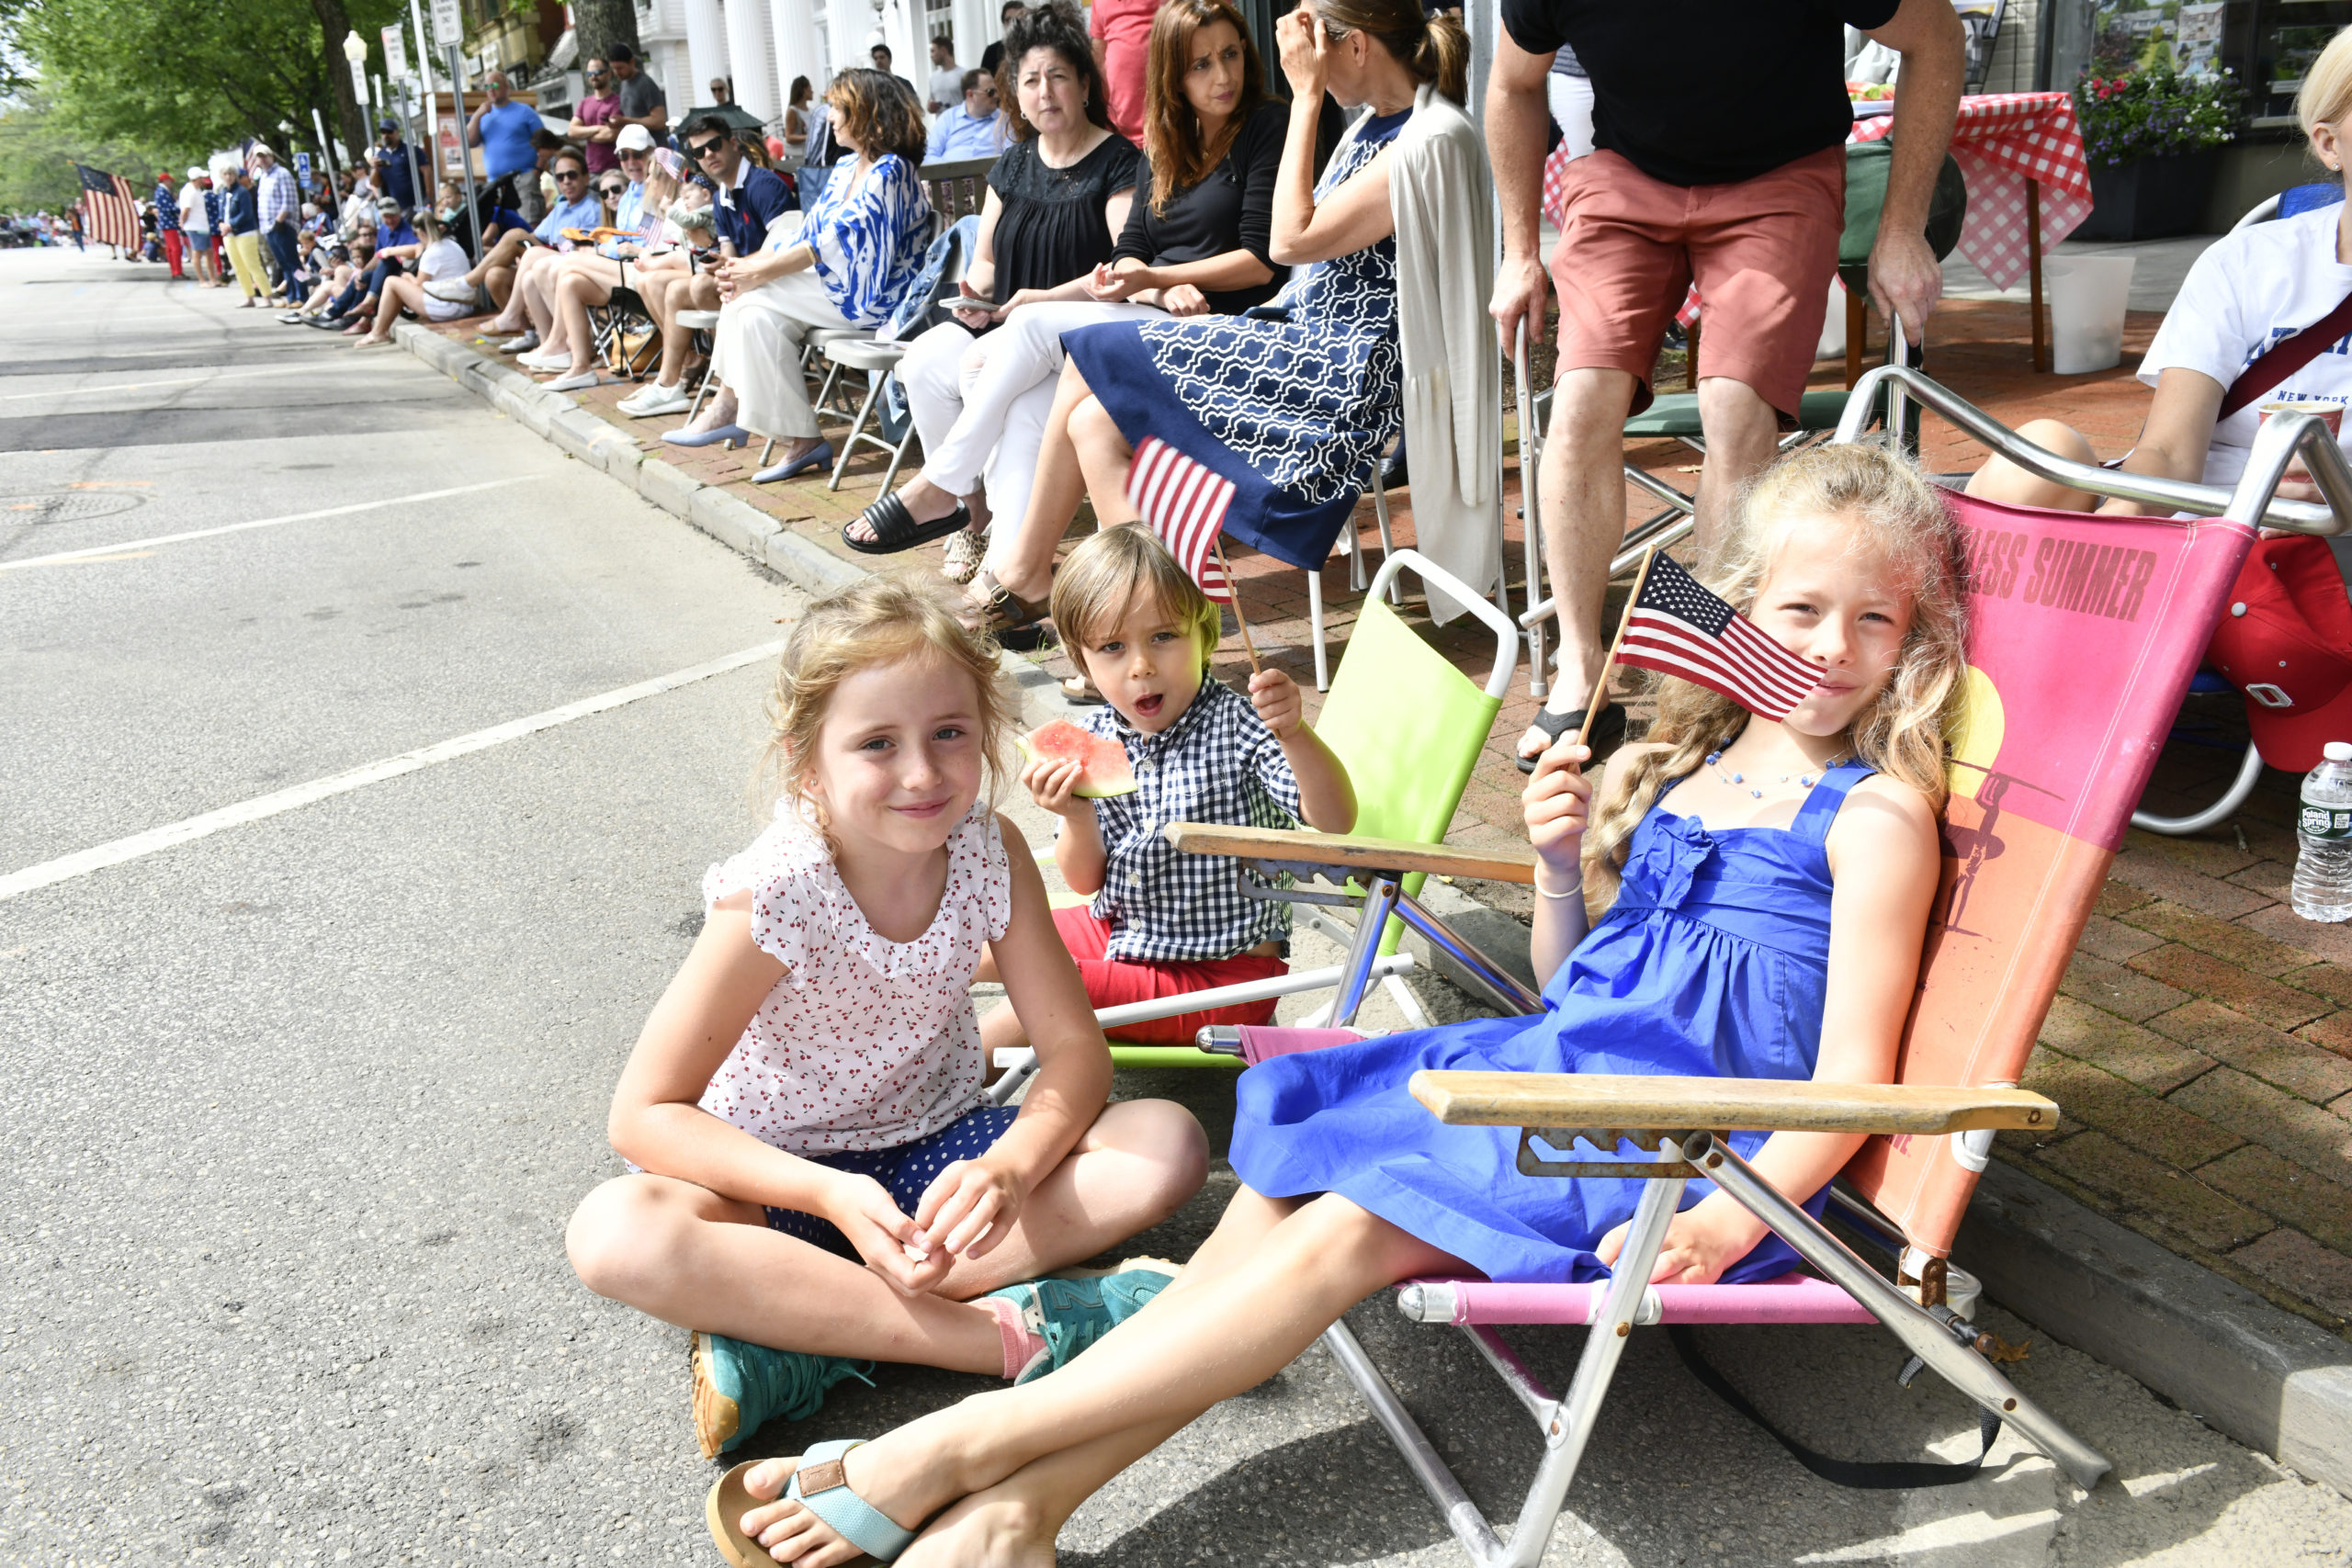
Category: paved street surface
[294,1109]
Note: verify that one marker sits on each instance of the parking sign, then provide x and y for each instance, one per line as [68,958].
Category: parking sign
[449,30]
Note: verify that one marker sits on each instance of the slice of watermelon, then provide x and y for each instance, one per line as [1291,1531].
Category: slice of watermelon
[1106,773]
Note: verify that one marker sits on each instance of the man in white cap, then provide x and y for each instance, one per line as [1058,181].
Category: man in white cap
[196,222]
[281,205]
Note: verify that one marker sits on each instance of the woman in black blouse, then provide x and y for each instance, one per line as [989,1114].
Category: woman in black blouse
[1058,198]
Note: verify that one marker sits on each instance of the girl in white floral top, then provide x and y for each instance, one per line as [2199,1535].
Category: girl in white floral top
[815,1179]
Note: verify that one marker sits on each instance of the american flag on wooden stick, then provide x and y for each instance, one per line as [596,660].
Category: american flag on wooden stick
[1675,626]
[110,212]
[1184,502]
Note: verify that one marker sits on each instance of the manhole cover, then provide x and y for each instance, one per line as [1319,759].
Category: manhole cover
[65,507]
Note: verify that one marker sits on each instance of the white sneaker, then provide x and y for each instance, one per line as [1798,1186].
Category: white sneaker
[534,360]
[580,383]
[456,288]
[657,400]
[517,344]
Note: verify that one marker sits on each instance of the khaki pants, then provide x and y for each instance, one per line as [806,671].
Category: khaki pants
[244,258]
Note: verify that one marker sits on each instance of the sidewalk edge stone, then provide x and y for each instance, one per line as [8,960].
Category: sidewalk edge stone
[2262,1376]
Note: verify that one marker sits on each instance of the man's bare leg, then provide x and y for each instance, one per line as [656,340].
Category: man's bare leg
[1743,435]
[1583,487]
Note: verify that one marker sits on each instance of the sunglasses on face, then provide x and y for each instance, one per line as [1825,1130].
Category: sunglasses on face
[632,154]
[610,190]
[705,149]
[571,174]
[598,75]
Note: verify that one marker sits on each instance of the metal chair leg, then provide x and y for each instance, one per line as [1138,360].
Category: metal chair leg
[1315,630]
[1387,546]
[856,434]
[2221,810]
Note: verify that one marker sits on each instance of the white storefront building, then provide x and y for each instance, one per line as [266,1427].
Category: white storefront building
[761,45]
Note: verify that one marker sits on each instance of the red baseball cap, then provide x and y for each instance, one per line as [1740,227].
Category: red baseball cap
[2286,641]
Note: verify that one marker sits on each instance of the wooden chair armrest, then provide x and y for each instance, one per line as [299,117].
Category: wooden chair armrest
[1350,853]
[1598,1100]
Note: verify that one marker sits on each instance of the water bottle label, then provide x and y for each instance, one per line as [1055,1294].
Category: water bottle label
[2320,822]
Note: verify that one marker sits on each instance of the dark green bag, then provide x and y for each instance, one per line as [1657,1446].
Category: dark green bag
[1866,164]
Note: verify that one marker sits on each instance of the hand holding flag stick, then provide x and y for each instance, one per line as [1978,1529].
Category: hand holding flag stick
[1235,599]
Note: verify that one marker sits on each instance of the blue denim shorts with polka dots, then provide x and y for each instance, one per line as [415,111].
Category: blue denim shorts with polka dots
[905,1171]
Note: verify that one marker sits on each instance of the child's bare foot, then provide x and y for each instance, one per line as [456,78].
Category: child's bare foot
[1000,1527]
[906,1475]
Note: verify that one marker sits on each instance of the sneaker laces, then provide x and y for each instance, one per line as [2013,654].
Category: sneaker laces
[792,1384]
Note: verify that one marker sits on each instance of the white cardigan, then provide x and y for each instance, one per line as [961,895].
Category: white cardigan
[1440,198]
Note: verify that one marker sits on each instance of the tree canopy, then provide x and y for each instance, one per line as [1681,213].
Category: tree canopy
[196,74]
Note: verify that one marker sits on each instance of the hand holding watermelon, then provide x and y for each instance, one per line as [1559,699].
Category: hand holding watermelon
[1068,767]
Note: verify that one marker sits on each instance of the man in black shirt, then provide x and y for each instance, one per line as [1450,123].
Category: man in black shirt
[993,56]
[1719,159]
[642,100]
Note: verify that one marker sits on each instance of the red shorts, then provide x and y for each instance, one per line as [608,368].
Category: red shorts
[1761,250]
[1115,982]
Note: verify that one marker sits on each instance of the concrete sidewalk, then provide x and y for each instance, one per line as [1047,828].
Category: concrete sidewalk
[2202,1049]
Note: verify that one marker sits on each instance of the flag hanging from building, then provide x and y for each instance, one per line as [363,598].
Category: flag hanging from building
[1675,626]
[1184,502]
[110,212]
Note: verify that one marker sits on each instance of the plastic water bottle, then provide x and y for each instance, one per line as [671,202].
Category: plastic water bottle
[2323,887]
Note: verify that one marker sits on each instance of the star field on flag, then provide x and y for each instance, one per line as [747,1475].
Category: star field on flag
[1677,627]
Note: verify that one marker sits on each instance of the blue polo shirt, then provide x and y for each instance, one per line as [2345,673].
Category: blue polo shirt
[400,234]
[744,213]
[585,213]
[506,130]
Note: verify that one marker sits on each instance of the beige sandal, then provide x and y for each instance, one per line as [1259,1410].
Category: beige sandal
[993,608]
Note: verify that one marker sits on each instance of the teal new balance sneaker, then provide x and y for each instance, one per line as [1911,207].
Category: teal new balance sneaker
[1069,1315]
[740,1386]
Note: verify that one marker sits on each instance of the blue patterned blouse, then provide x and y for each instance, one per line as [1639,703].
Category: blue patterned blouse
[869,236]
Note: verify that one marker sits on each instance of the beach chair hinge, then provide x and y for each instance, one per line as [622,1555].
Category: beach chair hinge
[1539,1146]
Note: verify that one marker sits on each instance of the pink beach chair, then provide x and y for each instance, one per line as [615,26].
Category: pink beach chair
[2083,634]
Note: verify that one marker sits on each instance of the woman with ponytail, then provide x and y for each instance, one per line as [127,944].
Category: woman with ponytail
[1283,416]
[1757,893]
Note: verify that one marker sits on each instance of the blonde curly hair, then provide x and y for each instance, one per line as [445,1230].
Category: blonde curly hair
[1898,516]
[879,620]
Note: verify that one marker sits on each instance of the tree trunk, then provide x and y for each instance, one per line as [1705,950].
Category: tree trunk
[350,114]
[601,24]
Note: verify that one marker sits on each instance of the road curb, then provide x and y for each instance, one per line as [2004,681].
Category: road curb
[2264,1377]
[558,418]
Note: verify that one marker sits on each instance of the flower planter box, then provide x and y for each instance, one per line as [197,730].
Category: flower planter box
[2153,198]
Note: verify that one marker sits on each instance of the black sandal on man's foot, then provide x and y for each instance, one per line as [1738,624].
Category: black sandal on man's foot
[895,529]
[1608,731]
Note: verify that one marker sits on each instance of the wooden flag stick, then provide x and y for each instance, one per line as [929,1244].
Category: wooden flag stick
[1234,590]
[1599,699]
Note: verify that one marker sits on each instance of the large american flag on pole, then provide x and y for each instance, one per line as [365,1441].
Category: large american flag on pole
[110,212]
[1675,626]
[1184,502]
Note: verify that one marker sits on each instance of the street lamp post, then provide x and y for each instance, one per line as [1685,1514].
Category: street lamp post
[355,49]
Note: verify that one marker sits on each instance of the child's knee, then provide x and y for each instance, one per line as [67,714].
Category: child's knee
[620,1234]
[1164,1136]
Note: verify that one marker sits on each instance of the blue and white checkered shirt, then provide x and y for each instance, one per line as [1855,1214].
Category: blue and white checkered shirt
[280,198]
[1218,762]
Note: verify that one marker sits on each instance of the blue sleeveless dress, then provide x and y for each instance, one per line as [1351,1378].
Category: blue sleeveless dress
[1712,963]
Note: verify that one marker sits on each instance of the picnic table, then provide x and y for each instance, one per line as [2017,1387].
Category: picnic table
[2029,188]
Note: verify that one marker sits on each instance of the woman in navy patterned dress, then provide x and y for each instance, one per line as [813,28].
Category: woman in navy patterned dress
[1266,426]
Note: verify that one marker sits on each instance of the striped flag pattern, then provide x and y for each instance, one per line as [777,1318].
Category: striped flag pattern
[1677,627]
[1184,502]
[110,212]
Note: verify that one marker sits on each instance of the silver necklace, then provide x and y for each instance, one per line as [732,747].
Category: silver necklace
[1739,780]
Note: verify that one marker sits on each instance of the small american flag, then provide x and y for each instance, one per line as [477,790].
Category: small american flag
[1675,626]
[110,212]
[1184,502]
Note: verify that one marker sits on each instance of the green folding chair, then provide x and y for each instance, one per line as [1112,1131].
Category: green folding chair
[1408,728]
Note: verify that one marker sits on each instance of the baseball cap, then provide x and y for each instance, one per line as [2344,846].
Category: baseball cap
[262,149]
[2286,641]
[388,123]
[634,138]
[196,172]
[388,204]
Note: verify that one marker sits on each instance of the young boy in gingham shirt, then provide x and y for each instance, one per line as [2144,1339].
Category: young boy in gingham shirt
[1161,923]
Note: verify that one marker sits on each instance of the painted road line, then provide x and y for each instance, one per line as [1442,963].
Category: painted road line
[128,545]
[143,386]
[98,858]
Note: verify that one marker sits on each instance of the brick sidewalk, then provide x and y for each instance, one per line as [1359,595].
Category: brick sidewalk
[2202,1049]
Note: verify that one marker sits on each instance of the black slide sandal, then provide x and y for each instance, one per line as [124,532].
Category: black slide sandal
[1608,731]
[895,529]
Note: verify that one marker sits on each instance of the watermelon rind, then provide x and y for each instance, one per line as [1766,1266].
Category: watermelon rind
[1086,788]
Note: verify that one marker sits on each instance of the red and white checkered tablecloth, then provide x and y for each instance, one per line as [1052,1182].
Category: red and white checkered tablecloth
[2000,141]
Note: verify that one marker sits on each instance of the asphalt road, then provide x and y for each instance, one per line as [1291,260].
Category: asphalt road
[295,1110]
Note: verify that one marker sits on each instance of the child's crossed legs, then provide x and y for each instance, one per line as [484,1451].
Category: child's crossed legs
[696,1258]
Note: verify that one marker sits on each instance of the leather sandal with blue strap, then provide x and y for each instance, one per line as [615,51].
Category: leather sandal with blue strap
[820,1486]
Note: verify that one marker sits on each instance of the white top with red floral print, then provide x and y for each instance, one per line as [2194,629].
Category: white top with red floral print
[866,1042]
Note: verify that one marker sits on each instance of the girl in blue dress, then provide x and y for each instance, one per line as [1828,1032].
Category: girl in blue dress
[1264,427]
[1764,889]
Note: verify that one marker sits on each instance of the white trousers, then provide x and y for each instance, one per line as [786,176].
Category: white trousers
[981,402]
[756,351]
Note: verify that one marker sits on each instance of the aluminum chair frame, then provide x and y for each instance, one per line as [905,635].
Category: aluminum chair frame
[1936,1335]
